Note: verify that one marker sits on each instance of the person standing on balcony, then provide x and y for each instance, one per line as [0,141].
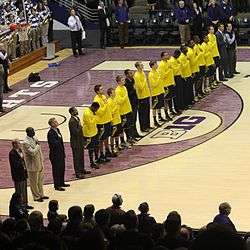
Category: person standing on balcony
[121,15]
[76,30]
[183,16]
[213,13]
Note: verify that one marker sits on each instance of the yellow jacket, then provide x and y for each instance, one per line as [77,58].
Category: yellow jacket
[185,66]
[89,121]
[207,54]
[155,83]
[200,55]
[193,60]
[176,66]
[141,85]
[103,113]
[213,43]
[115,110]
[166,73]
[123,100]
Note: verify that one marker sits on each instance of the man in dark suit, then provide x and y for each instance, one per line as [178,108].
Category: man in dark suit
[76,142]
[19,172]
[56,155]
[222,47]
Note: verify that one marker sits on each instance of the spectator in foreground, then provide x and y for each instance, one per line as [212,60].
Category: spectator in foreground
[226,12]
[145,221]
[88,214]
[213,13]
[223,217]
[52,213]
[183,16]
[121,15]
[115,211]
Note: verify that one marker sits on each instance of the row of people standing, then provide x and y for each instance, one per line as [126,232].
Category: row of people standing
[193,16]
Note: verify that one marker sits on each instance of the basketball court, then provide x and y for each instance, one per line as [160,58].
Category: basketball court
[191,164]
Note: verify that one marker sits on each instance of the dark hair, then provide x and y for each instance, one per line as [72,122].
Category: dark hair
[173,223]
[97,88]
[126,71]
[177,53]
[152,63]
[35,221]
[95,105]
[220,24]
[89,210]
[102,217]
[143,208]
[53,205]
[137,64]
[109,91]
[130,220]
[118,78]
[163,53]
[71,110]
[75,214]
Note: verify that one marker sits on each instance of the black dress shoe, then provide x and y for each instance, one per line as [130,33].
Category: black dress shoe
[94,165]
[59,189]
[86,172]
[80,176]
[144,130]
[39,200]
[236,72]
[65,185]
[29,207]
[75,55]
[9,90]
[45,197]
[223,80]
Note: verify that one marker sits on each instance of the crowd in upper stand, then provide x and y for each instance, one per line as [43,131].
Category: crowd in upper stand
[29,28]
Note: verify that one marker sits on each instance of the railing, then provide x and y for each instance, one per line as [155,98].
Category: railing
[90,14]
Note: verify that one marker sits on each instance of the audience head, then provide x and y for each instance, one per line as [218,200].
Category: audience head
[225,208]
[16,144]
[53,205]
[130,220]
[181,4]
[75,214]
[36,221]
[9,227]
[94,106]
[117,229]
[88,211]
[212,2]
[139,66]
[16,199]
[153,65]
[98,89]
[143,208]
[186,232]
[128,73]
[117,200]
[22,226]
[157,231]
[30,132]
[73,111]
[53,122]
[173,223]
[102,217]
[120,80]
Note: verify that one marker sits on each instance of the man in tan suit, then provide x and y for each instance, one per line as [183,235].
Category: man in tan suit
[34,164]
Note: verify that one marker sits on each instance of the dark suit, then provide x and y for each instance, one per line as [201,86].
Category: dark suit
[56,156]
[76,142]
[19,174]
[222,47]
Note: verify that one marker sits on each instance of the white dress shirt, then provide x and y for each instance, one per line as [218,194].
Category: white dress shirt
[74,23]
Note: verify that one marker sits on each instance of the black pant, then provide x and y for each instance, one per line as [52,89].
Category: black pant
[144,113]
[5,78]
[21,188]
[188,92]
[223,63]
[127,126]
[103,31]
[231,61]
[179,100]
[76,40]
[78,160]
[134,119]
[58,170]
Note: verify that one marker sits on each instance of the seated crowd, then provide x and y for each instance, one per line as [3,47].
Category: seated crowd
[113,229]
[28,28]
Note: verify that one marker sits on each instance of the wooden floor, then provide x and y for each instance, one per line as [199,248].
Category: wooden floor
[193,182]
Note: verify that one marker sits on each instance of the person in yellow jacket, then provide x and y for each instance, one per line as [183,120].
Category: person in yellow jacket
[90,132]
[143,94]
[104,118]
[187,76]
[210,65]
[178,98]
[157,91]
[167,79]
[202,66]
[125,110]
[215,52]
[116,120]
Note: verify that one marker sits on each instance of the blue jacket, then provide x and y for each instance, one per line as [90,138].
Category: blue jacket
[182,14]
[213,13]
[223,219]
[121,14]
[226,10]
